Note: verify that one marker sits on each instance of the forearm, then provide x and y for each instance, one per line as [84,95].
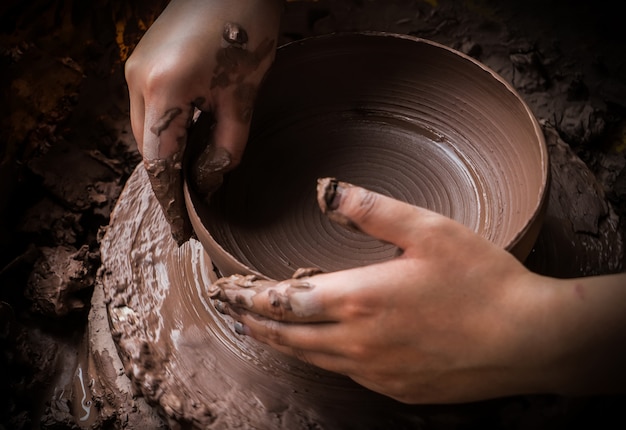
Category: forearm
[585,330]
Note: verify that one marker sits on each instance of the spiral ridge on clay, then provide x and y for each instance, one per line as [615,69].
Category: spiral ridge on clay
[403,117]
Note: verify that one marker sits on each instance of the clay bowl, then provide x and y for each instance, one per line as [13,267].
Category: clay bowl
[402,116]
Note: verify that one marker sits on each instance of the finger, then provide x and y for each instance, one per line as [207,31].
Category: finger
[293,299]
[322,298]
[222,151]
[165,134]
[320,337]
[380,216]
[233,113]
[137,117]
[322,345]
[137,112]
[235,89]
[165,127]
[312,343]
[316,344]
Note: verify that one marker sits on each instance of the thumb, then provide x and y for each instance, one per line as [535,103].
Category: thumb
[382,217]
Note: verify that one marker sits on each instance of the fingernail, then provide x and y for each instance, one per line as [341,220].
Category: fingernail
[334,194]
[240,328]
[219,306]
[329,193]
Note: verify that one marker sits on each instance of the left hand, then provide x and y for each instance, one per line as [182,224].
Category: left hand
[454,318]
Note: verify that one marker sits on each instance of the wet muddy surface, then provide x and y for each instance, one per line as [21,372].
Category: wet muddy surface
[67,153]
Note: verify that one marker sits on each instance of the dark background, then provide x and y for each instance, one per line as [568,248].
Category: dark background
[66,150]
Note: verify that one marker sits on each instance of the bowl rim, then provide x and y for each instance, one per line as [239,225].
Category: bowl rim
[520,245]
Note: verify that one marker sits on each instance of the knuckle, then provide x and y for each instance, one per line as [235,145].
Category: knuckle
[361,204]
[277,313]
[357,352]
[157,78]
[403,397]
[358,307]
[131,66]
[161,75]
[435,229]
[274,332]
[437,224]
[130,70]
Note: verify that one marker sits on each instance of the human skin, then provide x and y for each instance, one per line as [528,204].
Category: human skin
[453,319]
[207,55]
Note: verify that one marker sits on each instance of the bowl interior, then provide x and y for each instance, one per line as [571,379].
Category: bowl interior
[402,116]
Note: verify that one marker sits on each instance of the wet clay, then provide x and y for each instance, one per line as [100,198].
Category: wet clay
[208,170]
[439,131]
[580,232]
[328,198]
[167,184]
[45,77]
[183,355]
[59,280]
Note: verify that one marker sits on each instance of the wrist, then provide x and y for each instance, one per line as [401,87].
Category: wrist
[578,334]
[531,335]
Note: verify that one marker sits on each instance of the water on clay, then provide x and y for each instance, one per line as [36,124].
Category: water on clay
[184,356]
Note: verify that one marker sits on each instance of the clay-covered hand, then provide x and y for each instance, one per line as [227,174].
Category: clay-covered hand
[207,55]
[453,319]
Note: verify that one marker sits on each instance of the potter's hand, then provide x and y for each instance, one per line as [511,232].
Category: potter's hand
[453,319]
[209,55]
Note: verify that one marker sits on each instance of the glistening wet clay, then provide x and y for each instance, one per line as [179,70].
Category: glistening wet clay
[183,355]
[172,339]
[166,179]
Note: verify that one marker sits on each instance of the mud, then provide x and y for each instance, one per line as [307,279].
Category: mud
[167,184]
[67,109]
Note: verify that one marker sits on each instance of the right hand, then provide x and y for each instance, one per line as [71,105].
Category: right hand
[199,54]
[454,318]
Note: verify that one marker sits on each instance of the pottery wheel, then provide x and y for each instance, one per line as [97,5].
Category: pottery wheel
[183,355]
[184,358]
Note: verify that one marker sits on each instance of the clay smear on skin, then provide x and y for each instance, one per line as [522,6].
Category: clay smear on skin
[235,63]
[293,295]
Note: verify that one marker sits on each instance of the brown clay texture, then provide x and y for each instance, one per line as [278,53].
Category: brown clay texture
[67,150]
[183,355]
[399,115]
